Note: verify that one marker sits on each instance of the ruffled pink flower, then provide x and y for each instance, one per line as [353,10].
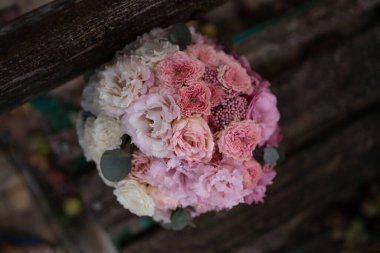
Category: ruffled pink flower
[179,69]
[252,173]
[221,186]
[195,99]
[205,53]
[148,122]
[177,177]
[256,79]
[260,189]
[239,139]
[234,76]
[276,138]
[263,110]
[192,139]
[140,167]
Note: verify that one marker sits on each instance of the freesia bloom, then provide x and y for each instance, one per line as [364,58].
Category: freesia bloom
[234,76]
[263,110]
[204,53]
[192,139]
[179,69]
[148,122]
[221,187]
[122,83]
[195,99]
[133,197]
[239,139]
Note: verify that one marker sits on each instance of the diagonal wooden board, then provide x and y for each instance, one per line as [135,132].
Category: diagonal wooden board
[342,120]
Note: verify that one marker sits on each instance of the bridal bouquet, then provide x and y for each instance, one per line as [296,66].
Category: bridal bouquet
[179,127]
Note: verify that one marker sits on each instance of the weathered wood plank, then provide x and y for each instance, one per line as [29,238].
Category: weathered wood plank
[325,171]
[66,38]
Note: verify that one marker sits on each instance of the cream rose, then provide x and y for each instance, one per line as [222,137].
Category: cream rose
[192,139]
[99,134]
[133,196]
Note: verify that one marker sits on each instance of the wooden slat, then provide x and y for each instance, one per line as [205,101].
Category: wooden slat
[333,166]
[59,41]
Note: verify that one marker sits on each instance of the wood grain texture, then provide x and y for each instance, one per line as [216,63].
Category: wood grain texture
[331,167]
[66,38]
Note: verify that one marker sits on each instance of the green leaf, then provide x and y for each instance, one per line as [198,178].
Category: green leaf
[180,35]
[179,220]
[271,155]
[115,164]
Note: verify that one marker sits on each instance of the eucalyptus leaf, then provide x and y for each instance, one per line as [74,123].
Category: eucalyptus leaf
[115,164]
[271,155]
[180,35]
[179,220]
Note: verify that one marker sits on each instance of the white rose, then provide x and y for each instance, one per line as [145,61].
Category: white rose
[132,196]
[96,135]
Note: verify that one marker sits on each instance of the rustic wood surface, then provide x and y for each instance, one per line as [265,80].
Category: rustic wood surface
[329,166]
[66,38]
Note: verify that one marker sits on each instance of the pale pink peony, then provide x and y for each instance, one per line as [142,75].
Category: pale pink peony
[221,187]
[192,139]
[123,83]
[258,193]
[148,122]
[263,110]
[179,69]
[176,176]
[239,139]
[252,173]
[234,76]
[140,167]
[195,99]
[205,53]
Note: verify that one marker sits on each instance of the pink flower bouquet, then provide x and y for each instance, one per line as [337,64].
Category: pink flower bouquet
[179,128]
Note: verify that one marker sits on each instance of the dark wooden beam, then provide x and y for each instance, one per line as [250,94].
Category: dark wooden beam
[66,38]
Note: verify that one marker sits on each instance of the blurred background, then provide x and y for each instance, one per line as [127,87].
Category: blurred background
[323,60]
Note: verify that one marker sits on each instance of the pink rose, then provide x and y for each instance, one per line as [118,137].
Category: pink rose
[195,99]
[239,139]
[140,167]
[263,110]
[217,95]
[233,76]
[221,186]
[192,139]
[179,69]
[258,193]
[252,173]
[205,53]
